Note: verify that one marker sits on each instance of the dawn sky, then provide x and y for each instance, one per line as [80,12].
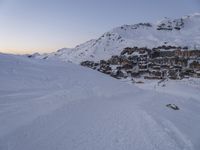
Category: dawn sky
[28,26]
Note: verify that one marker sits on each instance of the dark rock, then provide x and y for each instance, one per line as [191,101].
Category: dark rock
[103,62]
[90,64]
[172,106]
[128,51]
[45,57]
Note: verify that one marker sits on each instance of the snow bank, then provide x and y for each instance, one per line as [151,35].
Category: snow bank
[48,105]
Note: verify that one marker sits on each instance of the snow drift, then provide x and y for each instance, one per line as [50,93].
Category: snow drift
[47,104]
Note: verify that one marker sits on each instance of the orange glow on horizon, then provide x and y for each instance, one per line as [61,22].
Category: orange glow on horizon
[27,51]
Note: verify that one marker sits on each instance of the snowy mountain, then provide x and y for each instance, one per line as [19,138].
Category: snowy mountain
[48,105]
[174,32]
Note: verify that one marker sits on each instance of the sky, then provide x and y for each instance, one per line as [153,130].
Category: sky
[28,26]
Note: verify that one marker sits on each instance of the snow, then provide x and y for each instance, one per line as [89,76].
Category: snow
[140,35]
[48,105]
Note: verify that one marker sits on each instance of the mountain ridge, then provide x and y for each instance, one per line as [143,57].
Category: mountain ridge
[182,32]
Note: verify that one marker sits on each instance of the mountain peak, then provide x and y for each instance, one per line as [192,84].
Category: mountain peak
[182,32]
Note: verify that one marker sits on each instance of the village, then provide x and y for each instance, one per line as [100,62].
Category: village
[157,63]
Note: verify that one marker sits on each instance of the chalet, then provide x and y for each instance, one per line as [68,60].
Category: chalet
[157,63]
[195,65]
[167,53]
[187,53]
[156,67]
[180,53]
[198,73]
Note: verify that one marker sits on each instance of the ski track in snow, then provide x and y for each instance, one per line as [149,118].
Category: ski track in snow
[85,126]
[80,109]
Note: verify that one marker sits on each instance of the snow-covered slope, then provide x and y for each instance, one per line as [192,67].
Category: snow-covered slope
[48,105]
[178,32]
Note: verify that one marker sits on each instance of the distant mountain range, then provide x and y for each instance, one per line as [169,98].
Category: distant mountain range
[174,32]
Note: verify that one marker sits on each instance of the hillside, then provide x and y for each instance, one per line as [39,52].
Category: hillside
[47,104]
[174,32]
